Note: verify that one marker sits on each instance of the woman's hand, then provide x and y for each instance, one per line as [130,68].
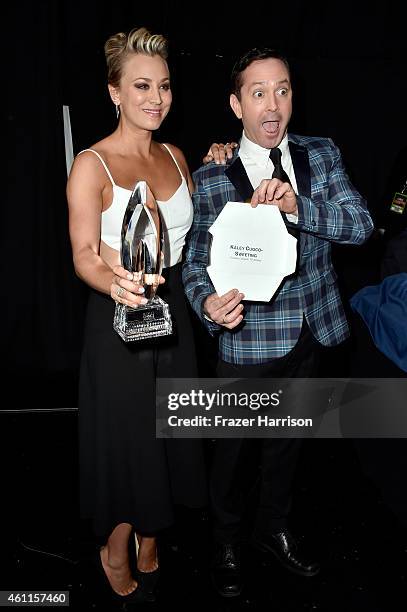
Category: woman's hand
[125,290]
[219,152]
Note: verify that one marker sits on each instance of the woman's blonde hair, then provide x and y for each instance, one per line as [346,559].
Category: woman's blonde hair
[119,46]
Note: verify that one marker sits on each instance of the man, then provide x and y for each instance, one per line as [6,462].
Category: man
[280,338]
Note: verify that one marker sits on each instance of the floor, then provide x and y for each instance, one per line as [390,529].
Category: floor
[339,514]
[350,509]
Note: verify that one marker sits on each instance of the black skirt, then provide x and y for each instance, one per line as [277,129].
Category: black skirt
[126,474]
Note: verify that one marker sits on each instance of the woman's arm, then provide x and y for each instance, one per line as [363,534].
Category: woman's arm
[85,201]
[86,184]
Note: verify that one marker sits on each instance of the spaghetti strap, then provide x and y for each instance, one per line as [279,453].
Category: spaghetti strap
[103,163]
[175,161]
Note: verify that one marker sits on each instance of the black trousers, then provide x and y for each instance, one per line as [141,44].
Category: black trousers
[235,460]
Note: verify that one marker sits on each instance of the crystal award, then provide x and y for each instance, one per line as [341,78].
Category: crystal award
[141,252]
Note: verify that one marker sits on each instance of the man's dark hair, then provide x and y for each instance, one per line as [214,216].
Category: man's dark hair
[248,58]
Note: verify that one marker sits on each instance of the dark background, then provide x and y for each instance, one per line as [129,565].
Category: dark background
[349,72]
[348,64]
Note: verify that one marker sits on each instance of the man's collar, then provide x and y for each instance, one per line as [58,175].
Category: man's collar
[260,155]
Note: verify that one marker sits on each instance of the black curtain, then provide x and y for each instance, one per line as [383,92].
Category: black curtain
[349,66]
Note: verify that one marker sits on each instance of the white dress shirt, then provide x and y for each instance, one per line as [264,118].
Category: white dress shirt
[259,166]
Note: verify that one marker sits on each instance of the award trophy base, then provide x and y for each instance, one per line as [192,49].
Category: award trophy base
[149,321]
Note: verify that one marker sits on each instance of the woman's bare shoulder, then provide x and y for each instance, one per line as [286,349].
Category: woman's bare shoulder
[104,147]
[179,156]
[175,150]
[88,166]
[183,164]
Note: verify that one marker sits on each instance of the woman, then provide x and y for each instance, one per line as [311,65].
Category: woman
[130,480]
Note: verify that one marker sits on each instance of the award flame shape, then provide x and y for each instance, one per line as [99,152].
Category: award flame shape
[142,253]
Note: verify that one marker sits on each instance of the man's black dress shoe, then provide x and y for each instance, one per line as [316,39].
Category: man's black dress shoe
[284,547]
[226,570]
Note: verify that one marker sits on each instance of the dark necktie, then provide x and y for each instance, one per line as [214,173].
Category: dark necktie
[281,174]
[278,172]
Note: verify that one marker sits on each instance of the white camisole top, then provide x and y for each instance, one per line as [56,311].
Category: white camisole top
[177,214]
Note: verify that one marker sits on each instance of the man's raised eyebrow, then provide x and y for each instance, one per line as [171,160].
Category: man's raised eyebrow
[267,81]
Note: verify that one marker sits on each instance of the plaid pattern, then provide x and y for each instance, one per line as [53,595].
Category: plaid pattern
[334,212]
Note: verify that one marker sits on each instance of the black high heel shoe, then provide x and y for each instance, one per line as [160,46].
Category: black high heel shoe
[148,580]
[139,595]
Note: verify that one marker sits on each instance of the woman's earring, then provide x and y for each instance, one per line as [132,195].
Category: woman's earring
[117,110]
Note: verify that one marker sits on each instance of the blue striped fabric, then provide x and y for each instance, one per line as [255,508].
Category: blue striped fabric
[335,212]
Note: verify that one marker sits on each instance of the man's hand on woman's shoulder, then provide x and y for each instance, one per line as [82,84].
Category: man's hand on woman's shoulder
[219,152]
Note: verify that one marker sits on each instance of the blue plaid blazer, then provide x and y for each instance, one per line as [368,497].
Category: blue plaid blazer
[329,210]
